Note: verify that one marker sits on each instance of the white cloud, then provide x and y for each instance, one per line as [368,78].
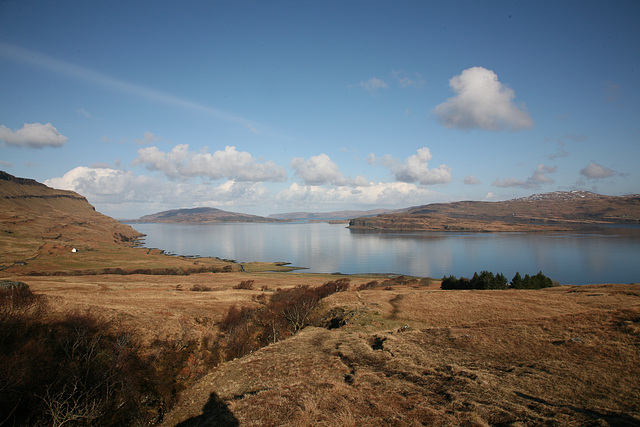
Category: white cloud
[180,163]
[318,170]
[124,194]
[105,184]
[482,102]
[416,169]
[537,178]
[33,135]
[596,171]
[471,180]
[380,194]
[127,195]
[373,85]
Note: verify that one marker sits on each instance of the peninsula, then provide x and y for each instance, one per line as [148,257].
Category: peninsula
[556,211]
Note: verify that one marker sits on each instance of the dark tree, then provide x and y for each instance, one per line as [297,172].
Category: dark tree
[517,282]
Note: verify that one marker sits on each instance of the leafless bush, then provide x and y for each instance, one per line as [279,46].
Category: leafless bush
[369,285]
[245,284]
[286,313]
[76,369]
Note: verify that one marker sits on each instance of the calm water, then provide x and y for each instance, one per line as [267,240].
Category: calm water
[604,255]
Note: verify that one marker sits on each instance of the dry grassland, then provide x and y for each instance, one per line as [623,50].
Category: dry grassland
[561,356]
[409,355]
[161,306]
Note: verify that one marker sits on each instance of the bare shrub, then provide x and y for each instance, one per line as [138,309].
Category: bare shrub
[369,285]
[245,284]
[76,369]
[286,313]
[200,288]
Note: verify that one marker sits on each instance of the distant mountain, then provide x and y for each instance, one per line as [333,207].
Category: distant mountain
[559,210]
[330,215]
[201,215]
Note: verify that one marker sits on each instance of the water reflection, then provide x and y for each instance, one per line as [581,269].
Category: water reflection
[590,256]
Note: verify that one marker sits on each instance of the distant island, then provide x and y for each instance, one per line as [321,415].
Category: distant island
[213,215]
[559,210]
[201,215]
[555,211]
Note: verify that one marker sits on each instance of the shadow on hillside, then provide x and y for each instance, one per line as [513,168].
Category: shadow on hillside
[214,413]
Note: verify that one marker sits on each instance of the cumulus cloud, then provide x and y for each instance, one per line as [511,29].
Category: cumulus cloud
[125,194]
[104,184]
[481,102]
[373,85]
[372,195]
[596,171]
[471,180]
[33,135]
[416,169]
[318,170]
[180,163]
[537,178]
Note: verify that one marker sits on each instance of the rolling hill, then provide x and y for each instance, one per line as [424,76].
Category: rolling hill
[560,210]
[35,217]
[41,226]
[202,215]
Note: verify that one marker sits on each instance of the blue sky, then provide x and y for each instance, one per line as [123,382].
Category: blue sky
[272,106]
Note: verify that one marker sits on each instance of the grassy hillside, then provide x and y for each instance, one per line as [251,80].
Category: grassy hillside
[556,357]
[544,212]
[39,227]
[407,353]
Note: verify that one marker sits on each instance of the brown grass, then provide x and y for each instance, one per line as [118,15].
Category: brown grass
[566,356]
[409,355]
